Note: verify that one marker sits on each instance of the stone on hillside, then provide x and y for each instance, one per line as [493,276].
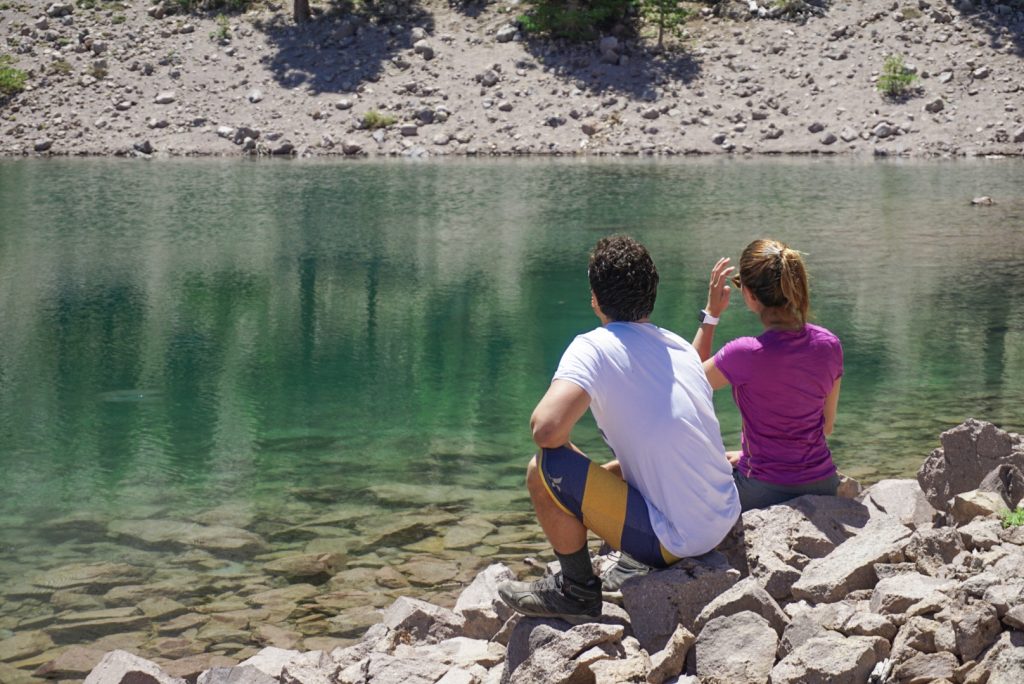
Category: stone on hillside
[828,139]
[901,499]
[735,649]
[1018,135]
[851,565]
[969,452]
[59,9]
[121,667]
[935,106]
[1006,667]
[465,652]
[816,127]
[242,674]
[668,662]
[164,97]
[424,49]
[480,606]
[980,534]
[661,600]
[143,147]
[553,659]
[895,594]
[488,78]
[870,625]
[312,568]
[43,145]
[745,595]
[423,621]
[828,658]
[917,635]
[255,95]
[967,506]
[1006,480]
[506,33]
[351,147]
[1014,617]
[926,667]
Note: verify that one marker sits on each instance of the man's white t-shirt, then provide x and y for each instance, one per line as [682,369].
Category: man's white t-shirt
[652,403]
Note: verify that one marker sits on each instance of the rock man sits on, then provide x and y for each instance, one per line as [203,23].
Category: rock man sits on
[669,493]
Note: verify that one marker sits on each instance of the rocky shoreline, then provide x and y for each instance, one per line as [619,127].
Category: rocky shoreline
[408,79]
[907,581]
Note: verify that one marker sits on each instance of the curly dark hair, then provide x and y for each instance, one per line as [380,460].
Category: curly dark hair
[623,278]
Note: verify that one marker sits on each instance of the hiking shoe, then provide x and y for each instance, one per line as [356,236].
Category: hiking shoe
[625,567]
[554,597]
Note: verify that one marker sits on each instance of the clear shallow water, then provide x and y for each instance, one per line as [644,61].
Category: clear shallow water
[182,335]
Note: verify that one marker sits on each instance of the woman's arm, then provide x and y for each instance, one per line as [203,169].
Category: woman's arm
[715,376]
[718,302]
[831,406]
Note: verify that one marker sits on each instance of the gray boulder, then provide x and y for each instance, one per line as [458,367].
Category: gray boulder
[745,595]
[657,603]
[827,659]
[926,667]
[894,595]
[735,649]
[933,549]
[1006,667]
[975,629]
[423,621]
[969,452]
[781,540]
[851,565]
[901,499]
[668,662]
[382,668]
[235,675]
[482,610]
[118,667]
[554,658]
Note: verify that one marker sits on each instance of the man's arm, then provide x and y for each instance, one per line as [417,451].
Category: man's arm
[831,407]
[561,407]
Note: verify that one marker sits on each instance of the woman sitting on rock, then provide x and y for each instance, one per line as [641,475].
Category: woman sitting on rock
[785,381]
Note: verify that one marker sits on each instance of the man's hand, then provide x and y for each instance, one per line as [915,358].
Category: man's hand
[718,287]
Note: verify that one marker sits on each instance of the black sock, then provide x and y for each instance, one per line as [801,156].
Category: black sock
[576,566]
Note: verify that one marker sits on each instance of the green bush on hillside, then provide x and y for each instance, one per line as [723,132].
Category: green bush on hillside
[12,80]
[573,19]
[896,78]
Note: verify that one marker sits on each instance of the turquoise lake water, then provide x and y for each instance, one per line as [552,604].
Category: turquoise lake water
[181,334]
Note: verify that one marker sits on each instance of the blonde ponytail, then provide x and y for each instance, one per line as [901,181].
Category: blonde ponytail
[776,276]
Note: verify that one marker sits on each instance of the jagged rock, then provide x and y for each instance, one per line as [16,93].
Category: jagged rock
[933,549]
[314,667]
[271,660]
[827,658]
[896,594]
[121,667]
[465,652]
[735,649]
[975,629]
[917,635]
[43,145]
[243,674]
[1006,480]
[1006,667]
[488,78]
[480,606]
[967,506]
[552,653]
[745,595]
[851,565]
[73,663]
[780,540]
[661,600]
[381,668]
[969,452]
[668,662]
[630,669]
[424,621]
[901,499]
[924,668]
[870,625]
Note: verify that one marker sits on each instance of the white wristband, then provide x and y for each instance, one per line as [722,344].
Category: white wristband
[707,319]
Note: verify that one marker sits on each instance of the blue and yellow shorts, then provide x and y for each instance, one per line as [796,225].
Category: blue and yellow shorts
[604,503]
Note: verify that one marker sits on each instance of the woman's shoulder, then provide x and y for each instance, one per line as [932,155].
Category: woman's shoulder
[822,333]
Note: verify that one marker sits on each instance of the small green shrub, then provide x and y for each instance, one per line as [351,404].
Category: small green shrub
[1014,518]
[98,71]
[573,19]
[223,31]
[118,19]
[374,119]
[667,16]
[60,66]
[896,79]
[12,81]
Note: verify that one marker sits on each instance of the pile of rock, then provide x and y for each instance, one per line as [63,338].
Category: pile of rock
[911,581]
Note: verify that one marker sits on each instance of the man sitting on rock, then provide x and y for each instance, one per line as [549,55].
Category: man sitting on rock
[669,494]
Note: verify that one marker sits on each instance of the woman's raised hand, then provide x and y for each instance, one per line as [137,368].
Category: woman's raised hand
[718,288]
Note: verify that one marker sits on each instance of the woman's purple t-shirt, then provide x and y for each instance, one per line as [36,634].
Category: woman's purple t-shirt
[780,380]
